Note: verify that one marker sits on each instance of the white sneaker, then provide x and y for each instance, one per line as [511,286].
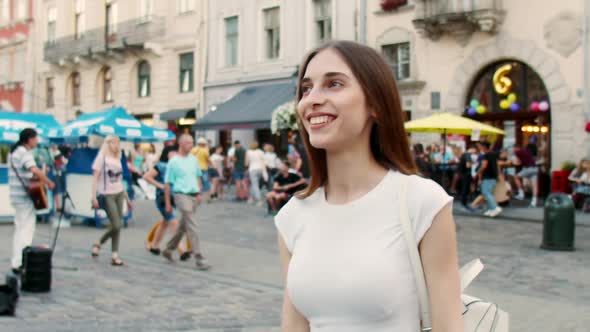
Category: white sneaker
[519,196]
[487,213]
[495,212]
[533,203]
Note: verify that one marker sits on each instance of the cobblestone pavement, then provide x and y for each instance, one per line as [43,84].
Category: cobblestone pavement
[542,290]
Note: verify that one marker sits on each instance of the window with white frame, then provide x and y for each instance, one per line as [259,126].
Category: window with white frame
[398,57]
[272,32]
[231,41]
[323,20]
[49,94]
[111,17]
[186,72]
[79,19]
[21,12]
[143,79]
[51,24]
[145,10]
[185,6]
[107,85]
[4,11]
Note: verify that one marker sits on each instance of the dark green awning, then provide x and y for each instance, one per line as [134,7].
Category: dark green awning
[251,108]
[174,115]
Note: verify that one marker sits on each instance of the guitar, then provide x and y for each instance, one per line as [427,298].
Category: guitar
[38,194]
[35,190]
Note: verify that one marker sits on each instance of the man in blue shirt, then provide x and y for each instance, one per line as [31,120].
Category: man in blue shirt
[183,180]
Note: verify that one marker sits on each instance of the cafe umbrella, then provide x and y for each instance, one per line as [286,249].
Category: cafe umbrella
[448,123]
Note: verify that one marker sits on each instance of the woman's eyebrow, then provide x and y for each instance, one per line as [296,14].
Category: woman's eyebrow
[335,73]
[328,74]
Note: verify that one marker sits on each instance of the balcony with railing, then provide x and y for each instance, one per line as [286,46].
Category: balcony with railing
[458,18]
[105,41]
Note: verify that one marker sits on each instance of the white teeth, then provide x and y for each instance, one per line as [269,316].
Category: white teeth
[320,119]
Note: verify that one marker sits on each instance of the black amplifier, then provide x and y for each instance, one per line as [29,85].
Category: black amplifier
[36,269]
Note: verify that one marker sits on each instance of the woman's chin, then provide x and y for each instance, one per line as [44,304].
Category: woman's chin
[322,142]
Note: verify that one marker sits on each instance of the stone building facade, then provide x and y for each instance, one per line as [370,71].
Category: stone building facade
[443,50]
[262,42]
[16,46]
[144,55]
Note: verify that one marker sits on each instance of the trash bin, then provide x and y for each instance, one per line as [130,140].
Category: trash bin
[559,223]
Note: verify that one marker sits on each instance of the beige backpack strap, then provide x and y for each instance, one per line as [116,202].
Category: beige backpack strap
[415,260]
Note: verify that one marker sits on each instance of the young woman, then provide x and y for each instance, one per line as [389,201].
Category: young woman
[256,171]
[345,263]
[216,172]
[580,180]
[107,181]
[272,164]
[155,176]
[581,174]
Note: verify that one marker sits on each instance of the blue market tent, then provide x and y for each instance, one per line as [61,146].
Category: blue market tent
[11,123]
[114,121]
[8,136]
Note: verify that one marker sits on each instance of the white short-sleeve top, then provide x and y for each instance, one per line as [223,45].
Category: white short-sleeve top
[350,269]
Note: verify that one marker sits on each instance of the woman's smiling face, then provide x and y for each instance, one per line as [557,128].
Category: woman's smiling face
[333,106]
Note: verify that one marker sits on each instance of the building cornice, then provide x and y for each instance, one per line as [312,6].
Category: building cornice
[248,79]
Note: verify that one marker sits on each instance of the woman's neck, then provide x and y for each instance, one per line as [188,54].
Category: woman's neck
[351,174]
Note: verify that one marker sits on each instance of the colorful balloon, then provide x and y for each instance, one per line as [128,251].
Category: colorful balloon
[512,97]
[474,103]
[481,109]
[543,106]
[514,107]
[534,106]
[504,104]
[471,111]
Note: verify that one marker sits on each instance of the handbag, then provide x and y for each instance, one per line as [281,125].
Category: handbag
[478,315]
[101,198]
[501,190]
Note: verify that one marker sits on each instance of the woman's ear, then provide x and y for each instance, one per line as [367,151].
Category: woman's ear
[372,113]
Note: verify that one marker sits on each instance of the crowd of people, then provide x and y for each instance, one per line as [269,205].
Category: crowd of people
[480,177]
[480,174]
[183,175]
[186,175]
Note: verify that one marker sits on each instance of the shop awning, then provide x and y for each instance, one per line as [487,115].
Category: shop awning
[251,108]
[113,121]
[174,115]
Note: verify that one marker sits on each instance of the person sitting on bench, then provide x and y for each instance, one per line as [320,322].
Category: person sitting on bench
[286,184]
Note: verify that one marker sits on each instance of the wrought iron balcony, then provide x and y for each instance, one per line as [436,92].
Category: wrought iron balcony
[135,33]
[100,42]
[459,18]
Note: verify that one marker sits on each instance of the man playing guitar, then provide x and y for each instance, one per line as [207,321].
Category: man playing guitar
[23,169]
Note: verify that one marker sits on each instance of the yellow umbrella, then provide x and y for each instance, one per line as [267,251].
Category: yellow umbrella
[447,123]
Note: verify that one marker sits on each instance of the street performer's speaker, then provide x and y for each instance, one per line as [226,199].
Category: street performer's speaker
[36,269]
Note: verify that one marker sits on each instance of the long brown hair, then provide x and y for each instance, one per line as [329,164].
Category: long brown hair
[389,143]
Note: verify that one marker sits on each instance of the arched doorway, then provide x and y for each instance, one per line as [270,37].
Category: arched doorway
[510,95]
